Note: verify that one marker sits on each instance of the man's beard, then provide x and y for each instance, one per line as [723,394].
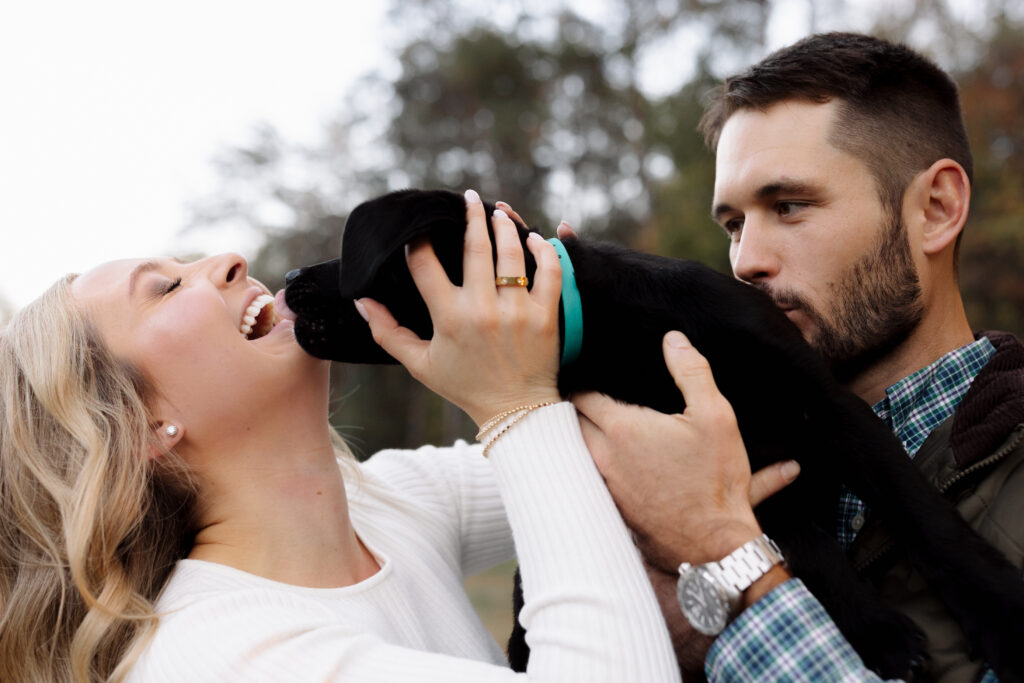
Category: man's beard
[876,305]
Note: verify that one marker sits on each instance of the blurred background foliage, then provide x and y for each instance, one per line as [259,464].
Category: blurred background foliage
[547,109]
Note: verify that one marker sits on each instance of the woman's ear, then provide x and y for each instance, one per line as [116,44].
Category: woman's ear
[167,436]
[941,197]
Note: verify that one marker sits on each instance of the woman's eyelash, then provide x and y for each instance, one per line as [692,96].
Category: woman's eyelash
[172,286]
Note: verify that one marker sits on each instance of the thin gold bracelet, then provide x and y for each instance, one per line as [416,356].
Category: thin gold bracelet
[490,424]
[520,413]
[496,420]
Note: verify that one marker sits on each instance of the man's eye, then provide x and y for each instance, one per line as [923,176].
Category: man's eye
[787,209]
[733,227]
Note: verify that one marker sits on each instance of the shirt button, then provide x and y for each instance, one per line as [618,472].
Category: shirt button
[857,522]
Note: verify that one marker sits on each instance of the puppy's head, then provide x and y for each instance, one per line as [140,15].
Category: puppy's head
[327,325]
[372,264]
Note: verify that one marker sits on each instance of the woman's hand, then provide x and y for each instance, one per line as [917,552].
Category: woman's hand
[494,348]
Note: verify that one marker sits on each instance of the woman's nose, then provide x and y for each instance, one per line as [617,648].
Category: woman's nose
[228,269]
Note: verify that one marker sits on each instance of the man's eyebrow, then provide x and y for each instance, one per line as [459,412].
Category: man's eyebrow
[798,187]
[790,187]
[720,210]
[145,267]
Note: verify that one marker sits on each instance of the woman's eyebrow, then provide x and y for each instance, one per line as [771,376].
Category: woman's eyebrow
[145,267]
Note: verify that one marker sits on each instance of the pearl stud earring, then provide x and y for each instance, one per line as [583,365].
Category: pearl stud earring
[171,430]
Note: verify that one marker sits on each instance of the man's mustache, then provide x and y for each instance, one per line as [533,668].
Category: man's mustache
[785,299]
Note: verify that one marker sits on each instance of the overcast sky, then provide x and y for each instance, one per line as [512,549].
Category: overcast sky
[111,111]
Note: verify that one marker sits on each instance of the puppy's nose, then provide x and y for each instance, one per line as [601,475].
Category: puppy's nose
[291,275]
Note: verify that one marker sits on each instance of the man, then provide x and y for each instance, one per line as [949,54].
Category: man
[843,178]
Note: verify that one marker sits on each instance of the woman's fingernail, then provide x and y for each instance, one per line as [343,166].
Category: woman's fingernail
[535,237]
[472,197]
[498,213]
[361,309]
[790,469]
[677,340]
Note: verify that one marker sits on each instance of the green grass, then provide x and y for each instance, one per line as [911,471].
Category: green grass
[491,593]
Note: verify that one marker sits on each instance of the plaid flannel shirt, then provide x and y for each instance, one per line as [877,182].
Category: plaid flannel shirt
[912,408]
[787,635]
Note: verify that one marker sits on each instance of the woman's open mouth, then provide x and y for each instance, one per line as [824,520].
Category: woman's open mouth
[259,317]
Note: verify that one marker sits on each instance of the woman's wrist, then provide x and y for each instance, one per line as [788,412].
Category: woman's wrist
[496,427]
[490,411]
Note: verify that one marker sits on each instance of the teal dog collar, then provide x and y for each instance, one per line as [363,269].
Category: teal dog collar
[572,308]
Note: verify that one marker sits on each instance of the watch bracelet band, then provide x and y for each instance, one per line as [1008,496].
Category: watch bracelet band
[745,565]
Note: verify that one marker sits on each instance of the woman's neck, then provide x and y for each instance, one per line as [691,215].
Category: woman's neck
[275,506]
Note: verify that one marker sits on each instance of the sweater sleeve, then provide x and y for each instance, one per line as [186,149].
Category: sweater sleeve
[591,613]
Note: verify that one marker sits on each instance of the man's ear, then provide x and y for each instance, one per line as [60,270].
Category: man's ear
[938,200]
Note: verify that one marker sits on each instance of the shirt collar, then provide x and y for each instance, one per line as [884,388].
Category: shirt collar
[921,401]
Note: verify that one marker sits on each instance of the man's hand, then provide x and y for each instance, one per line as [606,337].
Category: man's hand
[682,482]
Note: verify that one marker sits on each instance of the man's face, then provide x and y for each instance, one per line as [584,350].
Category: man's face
[807,226]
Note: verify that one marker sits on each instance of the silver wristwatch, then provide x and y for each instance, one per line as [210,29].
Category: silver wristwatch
[709,594]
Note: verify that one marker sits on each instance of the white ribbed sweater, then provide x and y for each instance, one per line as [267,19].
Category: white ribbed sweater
[431,517]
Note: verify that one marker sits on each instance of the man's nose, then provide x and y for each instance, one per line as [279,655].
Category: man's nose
[754,255]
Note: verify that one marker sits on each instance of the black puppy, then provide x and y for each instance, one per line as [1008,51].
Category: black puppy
[786,402]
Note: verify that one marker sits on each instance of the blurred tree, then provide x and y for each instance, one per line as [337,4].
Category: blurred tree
[993,245]
[525,121]
[548,109]
[680,223]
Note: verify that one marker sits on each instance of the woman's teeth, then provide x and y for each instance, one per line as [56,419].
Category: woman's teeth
[259,317]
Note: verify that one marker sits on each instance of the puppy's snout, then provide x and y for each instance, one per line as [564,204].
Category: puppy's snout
[291,275]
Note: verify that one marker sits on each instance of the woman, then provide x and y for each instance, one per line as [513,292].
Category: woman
[173,506]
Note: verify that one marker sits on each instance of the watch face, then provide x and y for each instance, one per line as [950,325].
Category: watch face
[701,603]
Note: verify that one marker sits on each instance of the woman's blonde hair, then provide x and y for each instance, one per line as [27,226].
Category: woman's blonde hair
[90,523]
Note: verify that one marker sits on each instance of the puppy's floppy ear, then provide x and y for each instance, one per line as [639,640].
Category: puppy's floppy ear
[380,228]
[373,264]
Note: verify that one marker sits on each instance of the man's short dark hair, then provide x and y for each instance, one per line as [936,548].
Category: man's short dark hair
[898,112]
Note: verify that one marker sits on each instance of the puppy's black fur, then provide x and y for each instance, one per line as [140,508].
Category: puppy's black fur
[786,402]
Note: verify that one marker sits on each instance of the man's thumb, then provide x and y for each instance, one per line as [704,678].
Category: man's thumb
[689,368]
